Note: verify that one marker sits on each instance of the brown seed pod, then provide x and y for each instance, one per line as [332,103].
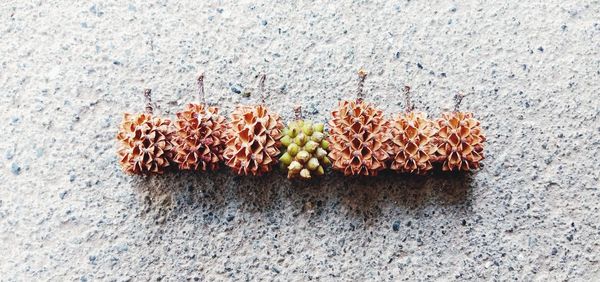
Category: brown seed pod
[459,141]
[200,138]
[412,143]
[144,142]
[358,136]
[253,139]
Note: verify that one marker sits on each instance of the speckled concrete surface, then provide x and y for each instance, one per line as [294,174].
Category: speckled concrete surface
[68,71]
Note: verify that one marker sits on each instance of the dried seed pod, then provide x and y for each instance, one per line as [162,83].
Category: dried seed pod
[253,139]
[359,136]
[459,141]
[144,142]
[412,143]
[200,138]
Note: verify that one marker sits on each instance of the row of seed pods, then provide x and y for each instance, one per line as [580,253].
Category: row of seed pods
[359,141]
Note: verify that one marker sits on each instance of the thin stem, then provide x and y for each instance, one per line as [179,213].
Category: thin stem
[261,86]
[147,94]
[362,75]
[298,112]
[201,94]
[457,100]
[409,104]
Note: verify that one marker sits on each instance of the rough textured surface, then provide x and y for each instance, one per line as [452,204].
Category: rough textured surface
[68,71]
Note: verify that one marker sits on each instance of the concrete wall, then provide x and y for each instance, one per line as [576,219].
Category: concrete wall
[69,70]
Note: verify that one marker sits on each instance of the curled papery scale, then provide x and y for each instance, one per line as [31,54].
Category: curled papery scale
[253,142]
[144,144]
[200,138]
[412,143]
[358,137]
[459,141]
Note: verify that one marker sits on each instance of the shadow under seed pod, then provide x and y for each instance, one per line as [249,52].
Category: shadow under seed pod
[212,197]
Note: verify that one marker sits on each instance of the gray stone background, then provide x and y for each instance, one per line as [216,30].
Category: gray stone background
[531,70]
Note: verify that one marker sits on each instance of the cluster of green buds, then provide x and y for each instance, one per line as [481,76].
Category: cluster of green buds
[304,149]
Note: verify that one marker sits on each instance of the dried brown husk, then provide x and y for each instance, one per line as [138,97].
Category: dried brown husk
[144,144]
[412,143]
[253,140]
[459,141]
[358,137]
[200,138]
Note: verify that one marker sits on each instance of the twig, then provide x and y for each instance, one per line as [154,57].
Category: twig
[147,94]
[298,112]
[201,94]
[261,86]
[409,104]
[457,100]
[362,75]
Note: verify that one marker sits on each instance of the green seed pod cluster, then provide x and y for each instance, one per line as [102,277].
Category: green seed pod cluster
[304,149]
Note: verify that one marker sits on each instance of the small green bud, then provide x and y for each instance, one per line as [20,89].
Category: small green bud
[292,132]
[319,127]
[320,170]
[326,161]
[317,136]
[285,131]
[321,153]
[286,140]
[305,173]
[300,139]
[295,167]
[325,144]
[311,146]
[293,149]
[303,156]
[313,164]
[286,158]
[307,129]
